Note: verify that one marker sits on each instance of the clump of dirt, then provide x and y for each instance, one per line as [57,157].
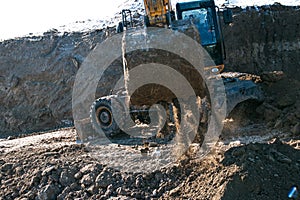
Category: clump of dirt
[281,107]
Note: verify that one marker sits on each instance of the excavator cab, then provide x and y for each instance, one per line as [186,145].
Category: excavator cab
[203,16]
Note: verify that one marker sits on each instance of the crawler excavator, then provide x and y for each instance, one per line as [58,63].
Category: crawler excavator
[197,19]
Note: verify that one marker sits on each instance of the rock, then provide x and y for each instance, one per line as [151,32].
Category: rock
[285,101]
[54,176]
[153,144]
[285,160]
[86,169]
[164,187]
[174,192]
[159,176]
[64,193]
[31,195]
[7,167]
[278,124]
[10,138]
[270,157]
[271,114]
[92,190]
[87,179]
[104,179]
[139,182]
[253,147]
[277,141]
[74,186]
[19,170]
[109,190]
[272,76]
[35,180]
[136,195]
[281,157]
[91,168]
[296,129]
[48,171]
[48,192]
[121,197]
[66,178]
[121,191]
[51,154]
[268,111]
[104,197]
[154,193]
[237,152]
[14,81]
[292,117]
[78,175]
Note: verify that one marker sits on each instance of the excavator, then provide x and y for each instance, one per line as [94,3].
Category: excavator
[199,20]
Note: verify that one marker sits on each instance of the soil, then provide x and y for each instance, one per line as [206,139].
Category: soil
[54,166]
[256,157]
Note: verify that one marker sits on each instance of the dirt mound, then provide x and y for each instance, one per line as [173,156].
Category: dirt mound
[280,110]
[266,171]
[57,168]
[264,40]
[253,171]
[37,76]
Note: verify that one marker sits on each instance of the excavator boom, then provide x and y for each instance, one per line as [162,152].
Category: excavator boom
[157,12]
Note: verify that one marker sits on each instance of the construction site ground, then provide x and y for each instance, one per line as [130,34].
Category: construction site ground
[264,164]
[256,157]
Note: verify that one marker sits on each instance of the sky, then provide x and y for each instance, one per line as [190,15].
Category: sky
[21,17]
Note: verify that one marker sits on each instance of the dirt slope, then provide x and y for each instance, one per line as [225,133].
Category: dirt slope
[264,39]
